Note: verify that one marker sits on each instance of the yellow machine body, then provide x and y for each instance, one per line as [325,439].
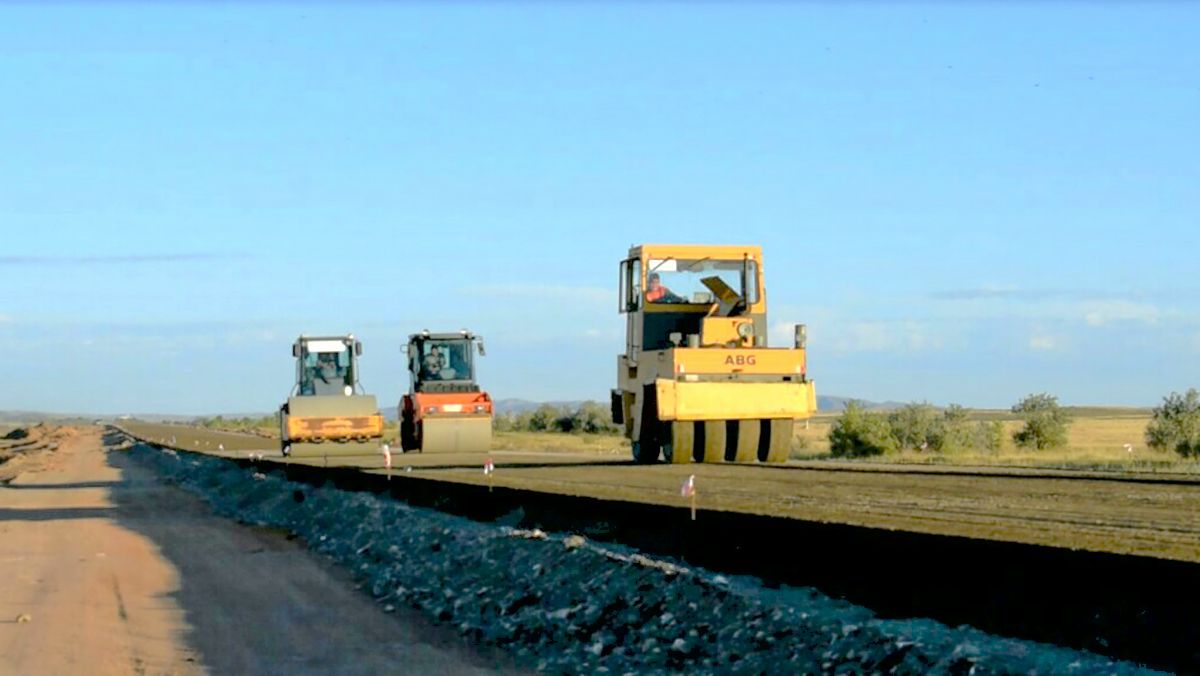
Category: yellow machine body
[328,414]
[697,381]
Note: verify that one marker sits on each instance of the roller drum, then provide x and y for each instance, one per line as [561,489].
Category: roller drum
[455,434]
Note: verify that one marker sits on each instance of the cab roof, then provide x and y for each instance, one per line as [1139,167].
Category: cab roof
[719,251]
[457,335]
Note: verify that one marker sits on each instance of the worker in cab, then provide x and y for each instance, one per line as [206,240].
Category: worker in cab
[328,377]
[657,293]
[431,365]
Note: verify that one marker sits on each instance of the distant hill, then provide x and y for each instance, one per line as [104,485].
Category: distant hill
[832,404]
[34,417]
[517,406]
[825,404]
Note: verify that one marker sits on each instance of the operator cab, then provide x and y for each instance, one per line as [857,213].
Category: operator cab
[326,366]
[684,285]
[443,362]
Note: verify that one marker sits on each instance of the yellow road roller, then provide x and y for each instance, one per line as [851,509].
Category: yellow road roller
[328,413]
[697,381]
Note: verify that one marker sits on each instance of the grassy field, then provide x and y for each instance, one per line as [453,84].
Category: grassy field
[1097,440]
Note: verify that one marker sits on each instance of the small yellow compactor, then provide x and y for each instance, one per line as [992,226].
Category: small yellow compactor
[328,413]
[697,381]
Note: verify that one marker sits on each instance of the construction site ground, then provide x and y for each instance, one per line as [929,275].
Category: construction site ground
[1153,515]
[105,569]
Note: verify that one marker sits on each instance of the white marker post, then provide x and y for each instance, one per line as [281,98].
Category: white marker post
[387,459]
[489,469]
[688,490]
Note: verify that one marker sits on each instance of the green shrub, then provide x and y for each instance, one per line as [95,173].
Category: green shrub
[858,433]
[593,418]
[545,418]
[917,427]
[955,432]
[989,435]
[589,417]
[1045,422]
[1176,424]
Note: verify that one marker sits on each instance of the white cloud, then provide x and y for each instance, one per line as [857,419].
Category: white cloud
[252,336]
[555,292]
[1044,343]
[5,319]
[1103,313]
[863,336]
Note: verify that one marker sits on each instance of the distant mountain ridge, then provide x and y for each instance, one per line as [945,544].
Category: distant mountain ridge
[508,406]
[824,404]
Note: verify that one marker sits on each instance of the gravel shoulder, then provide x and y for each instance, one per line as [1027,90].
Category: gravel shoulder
[565,604]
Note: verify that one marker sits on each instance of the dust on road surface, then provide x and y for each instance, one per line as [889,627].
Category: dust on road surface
[105,570]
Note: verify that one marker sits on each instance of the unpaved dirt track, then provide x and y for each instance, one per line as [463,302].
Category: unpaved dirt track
[105,570]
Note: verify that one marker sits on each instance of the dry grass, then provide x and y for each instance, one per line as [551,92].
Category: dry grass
[559,442]
[1097,440]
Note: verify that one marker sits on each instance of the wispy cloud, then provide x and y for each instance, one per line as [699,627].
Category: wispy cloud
[988,292]
[1002,292]
[864,336]
[124,259]
[1103,313]
[1045,342]
[590,294]
[1013,292]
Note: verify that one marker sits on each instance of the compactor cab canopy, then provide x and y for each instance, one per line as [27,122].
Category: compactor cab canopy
[443,362]
[326,365]
[668,290]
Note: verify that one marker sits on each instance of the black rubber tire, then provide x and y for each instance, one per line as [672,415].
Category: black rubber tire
[645,453]
[408,435]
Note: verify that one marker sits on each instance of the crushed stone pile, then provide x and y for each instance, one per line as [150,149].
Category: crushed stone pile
[565,604]
[14,435]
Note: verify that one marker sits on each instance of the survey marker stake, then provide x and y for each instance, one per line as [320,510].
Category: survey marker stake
[688,490]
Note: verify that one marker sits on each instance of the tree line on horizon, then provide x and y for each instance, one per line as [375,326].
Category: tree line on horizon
[858,432]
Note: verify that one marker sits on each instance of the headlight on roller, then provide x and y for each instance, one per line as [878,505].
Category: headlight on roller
[745,329]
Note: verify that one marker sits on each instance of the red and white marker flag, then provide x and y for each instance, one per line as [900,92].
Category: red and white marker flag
[488,467]
[689,487]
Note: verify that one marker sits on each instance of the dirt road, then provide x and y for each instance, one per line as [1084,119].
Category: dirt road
[105,570]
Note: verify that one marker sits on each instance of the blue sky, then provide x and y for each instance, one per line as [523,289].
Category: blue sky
[965,203]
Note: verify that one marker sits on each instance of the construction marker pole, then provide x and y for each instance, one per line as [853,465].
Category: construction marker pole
[688,490]
[387,460]
[489,468]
